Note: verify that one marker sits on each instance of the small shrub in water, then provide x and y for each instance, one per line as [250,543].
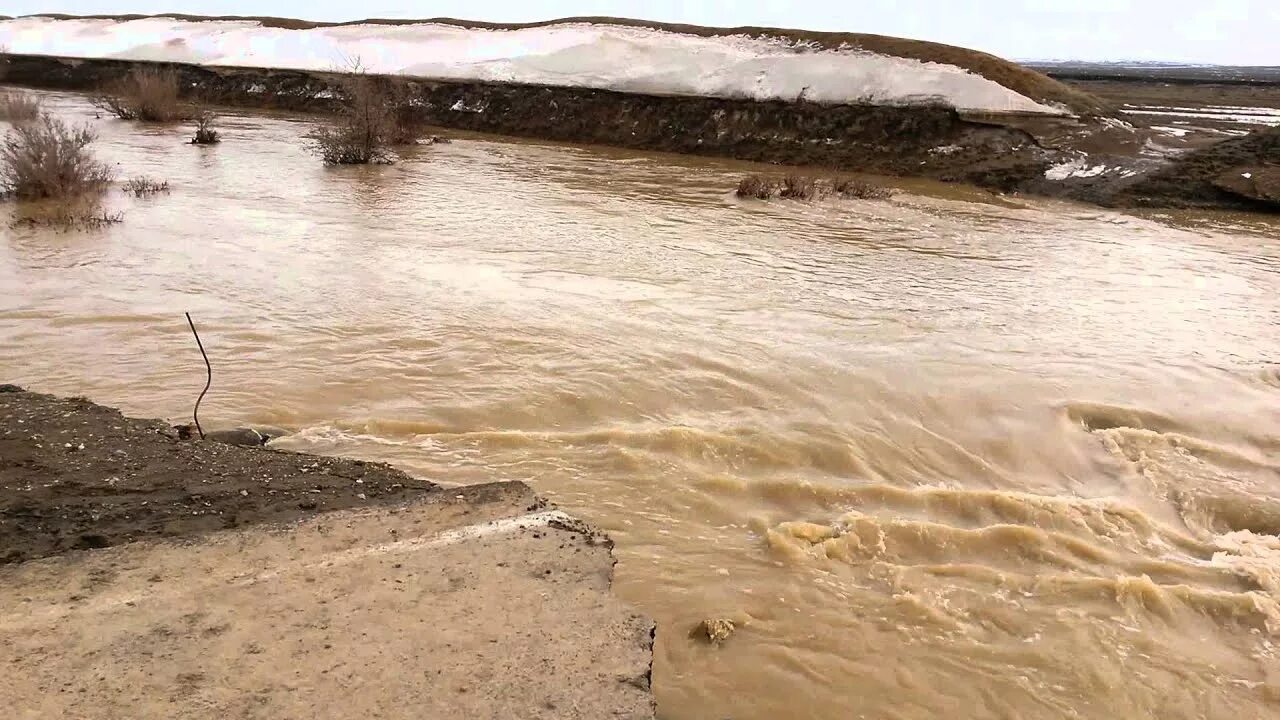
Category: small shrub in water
[46,158]
[755,186]
[205,134]
[799,187]
[148,94]
[860,189]
[65,215]
[373,115]
[144,186]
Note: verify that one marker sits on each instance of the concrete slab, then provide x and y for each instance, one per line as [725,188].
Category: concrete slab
[469,603]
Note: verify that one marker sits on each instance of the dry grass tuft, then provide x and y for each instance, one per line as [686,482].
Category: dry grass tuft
[142,186]
[755,186]
[860,189]
[46,158]
[148,94]
[205,134]
[19,107]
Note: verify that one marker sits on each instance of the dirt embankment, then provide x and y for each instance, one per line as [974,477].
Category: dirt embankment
[916,141]
[76,475]
[1242,171]
[382,596]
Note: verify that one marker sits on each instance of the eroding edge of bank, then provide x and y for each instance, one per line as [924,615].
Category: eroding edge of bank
[87,492]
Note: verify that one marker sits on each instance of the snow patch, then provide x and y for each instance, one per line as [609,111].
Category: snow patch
[1242,118]
[1078,168]
[608,57]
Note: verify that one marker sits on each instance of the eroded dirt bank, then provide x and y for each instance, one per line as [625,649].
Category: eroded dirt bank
[919,141]
[405,600]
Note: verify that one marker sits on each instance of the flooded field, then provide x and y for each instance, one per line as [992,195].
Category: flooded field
[947,454]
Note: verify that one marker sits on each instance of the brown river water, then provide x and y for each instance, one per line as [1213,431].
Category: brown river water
[947,455]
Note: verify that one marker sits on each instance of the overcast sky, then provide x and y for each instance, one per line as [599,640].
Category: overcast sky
[1243,32]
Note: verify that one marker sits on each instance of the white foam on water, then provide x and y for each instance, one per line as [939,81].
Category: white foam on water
[609,57]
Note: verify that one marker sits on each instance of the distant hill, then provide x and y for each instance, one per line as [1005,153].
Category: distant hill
[1136,70]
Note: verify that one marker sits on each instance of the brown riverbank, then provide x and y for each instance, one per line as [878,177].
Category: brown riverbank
[77,475]
[1002,153]
[229,581]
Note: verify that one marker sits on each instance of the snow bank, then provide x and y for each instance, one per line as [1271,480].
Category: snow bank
[573,54]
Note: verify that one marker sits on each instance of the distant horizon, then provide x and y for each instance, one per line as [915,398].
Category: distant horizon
[1226,33]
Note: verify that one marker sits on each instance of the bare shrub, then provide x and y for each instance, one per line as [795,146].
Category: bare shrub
[19,107]
[799,187]
[149,94]
[407,128]
[373,115]
[65,215]
[860,189]
[205,134]
[46,158]
[755,186]
[143,186]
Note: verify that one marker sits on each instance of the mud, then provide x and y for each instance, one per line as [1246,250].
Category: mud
[76,475]
[1214,177]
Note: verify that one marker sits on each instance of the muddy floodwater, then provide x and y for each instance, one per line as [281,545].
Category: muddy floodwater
[948,455]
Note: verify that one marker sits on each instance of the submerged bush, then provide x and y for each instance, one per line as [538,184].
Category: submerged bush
[46,158]
[142,186]
[19,107]
[860,189]
[372,116]
[149,94]
[205,134]
[798,187]
[64,215]
[806,187]
[755,186]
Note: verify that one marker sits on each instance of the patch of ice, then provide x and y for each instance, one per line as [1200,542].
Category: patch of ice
[1260,119]
[1176,132]
[608,57]
[1247,176]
